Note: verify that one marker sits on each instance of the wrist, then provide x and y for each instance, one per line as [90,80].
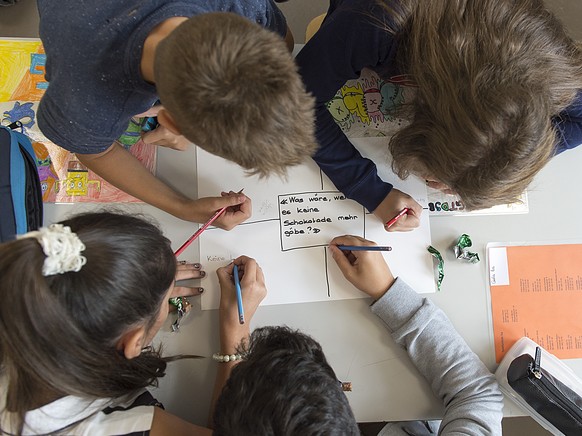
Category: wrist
[231,337]
[381,291]
[185,208]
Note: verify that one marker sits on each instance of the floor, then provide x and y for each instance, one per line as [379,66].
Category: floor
[21,20]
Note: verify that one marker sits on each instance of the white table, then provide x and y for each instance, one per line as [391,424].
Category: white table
[385,384]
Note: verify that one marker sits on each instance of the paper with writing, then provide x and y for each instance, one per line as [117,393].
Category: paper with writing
[293,222]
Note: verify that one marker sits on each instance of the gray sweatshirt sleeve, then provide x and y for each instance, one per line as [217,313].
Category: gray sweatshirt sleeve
[469,392]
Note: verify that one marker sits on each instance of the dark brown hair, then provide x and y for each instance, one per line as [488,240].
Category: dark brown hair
[491,74]
[284,386]
[234,90]
[58,334]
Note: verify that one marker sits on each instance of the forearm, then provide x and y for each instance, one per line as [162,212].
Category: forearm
[230,340]
[472,400]
[352,174]
[118,167]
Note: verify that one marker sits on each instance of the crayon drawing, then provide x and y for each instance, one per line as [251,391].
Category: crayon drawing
[63,178]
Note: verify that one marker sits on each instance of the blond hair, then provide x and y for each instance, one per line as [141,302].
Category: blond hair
[233,89]
[491,74]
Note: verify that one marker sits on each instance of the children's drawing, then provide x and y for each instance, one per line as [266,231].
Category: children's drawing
[63,178]
[293,222]
[367,106]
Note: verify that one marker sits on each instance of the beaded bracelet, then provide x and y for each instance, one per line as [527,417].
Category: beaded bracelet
[223,358]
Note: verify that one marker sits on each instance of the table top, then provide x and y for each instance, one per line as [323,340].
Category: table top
[386,386]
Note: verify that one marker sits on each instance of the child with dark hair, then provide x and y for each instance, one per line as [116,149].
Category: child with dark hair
[81,302]
[497,94]
[222,70]
[284,385]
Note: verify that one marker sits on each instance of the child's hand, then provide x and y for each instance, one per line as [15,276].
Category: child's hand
[236,213]
[366,270]
[185,271]
[239,209]
[252,282]
[392,205]
[164,137]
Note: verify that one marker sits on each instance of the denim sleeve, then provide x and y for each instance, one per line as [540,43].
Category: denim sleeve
[275,19]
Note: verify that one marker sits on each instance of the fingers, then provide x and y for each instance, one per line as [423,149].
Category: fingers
[341,258]
[249,268]
[186,291]
[233,198]
[154,136]
[185,271]
[225,276]
[152,112]
[406,223]
[239,209]
[163,137]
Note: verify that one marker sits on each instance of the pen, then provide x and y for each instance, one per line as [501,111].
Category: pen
[239,303]
[201,229]
[396,218]
[364,248]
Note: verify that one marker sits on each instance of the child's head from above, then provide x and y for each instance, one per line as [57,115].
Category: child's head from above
[491,74]
[82,332]
[283,386]
[232,88]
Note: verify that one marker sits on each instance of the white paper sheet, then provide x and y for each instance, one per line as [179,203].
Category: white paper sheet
[293,222]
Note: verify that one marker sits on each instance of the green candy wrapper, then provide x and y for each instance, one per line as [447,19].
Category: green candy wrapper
[440,265]
[179,303]
[462,249]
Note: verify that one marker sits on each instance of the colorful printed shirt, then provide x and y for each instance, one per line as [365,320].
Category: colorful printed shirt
[351,38]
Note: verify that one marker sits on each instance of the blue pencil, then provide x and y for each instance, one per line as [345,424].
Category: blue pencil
[364,248]
[241,313]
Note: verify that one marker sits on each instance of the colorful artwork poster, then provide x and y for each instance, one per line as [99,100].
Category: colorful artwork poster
[63,178]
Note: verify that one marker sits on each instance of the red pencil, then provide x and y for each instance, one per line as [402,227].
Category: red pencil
[201,229]
[396,218]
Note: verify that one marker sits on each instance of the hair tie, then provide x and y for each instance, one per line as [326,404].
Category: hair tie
[61,247]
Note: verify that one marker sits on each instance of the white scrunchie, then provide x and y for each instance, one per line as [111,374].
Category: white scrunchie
[61,247]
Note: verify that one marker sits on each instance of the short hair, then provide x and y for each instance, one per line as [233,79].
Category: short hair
[59,333]
[284,386]
[234,90]
[490,76]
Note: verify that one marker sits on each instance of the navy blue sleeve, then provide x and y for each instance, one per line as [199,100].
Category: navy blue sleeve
[569,125]
[352,37]
[275,19]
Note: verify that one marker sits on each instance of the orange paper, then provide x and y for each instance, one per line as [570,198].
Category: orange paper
[536,291]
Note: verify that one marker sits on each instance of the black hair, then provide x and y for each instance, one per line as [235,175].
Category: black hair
[59,333]
[284,386]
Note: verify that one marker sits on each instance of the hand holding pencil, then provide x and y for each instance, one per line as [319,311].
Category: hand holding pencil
[399,212]
[253,291]
[363,265]
[238,209]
